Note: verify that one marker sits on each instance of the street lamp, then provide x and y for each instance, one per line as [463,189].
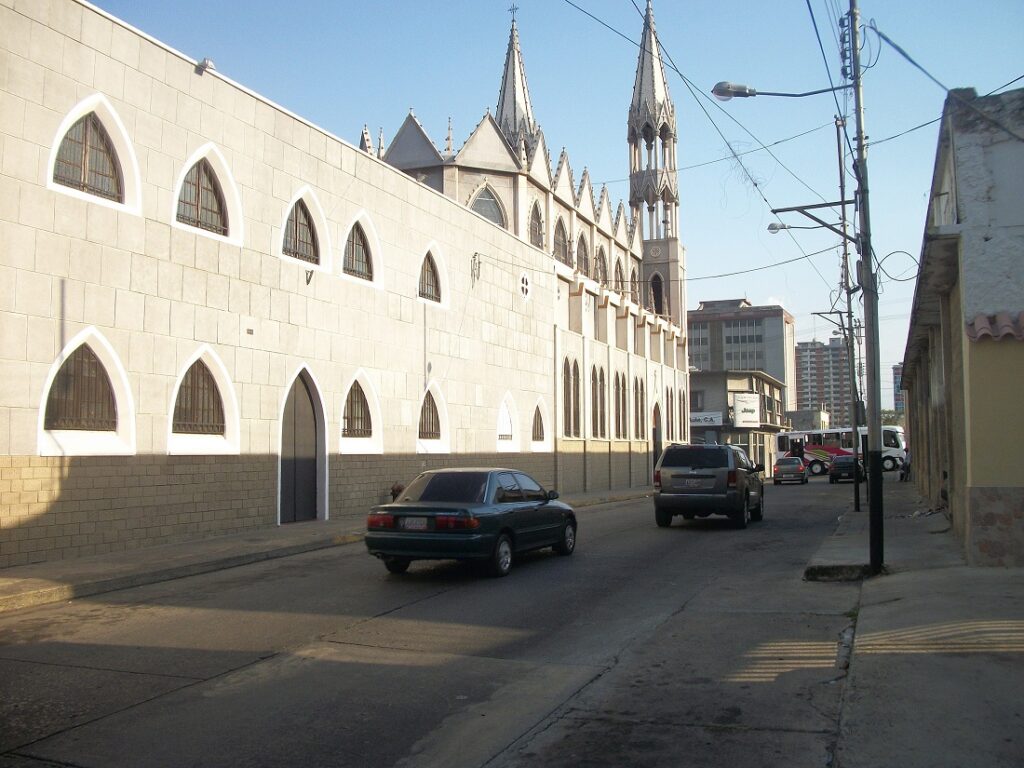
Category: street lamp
[775,227]
[725,90]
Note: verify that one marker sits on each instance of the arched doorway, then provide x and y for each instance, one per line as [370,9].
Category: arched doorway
[299,443]
[655,437]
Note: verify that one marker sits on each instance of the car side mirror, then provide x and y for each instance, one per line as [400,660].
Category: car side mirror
[552,495]
[759,467]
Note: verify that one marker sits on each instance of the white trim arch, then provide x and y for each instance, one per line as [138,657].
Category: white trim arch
[373,242]
[81,442]
[442,444]
[547,444]
[320,225]
[228,187]
[374,444]
[182,444]
[485,184]
[443,282]
[131,178]
[508,418]
[320,413]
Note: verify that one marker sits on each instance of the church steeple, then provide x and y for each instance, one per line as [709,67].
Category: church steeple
[514,114]
[652,127]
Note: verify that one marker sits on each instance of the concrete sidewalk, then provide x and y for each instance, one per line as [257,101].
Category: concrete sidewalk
[937,667]
[26,586]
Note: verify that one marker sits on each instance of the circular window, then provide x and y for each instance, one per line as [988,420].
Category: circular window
[524,285]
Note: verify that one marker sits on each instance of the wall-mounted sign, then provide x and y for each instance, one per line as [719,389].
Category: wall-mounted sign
[706,419]
[746,410]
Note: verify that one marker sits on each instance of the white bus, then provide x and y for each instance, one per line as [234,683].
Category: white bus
[817,446]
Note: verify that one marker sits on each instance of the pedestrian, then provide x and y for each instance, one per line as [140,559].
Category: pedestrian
[396,490]
[905,469]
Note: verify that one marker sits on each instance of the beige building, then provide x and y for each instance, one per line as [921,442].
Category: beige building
[218,316]
[964,361]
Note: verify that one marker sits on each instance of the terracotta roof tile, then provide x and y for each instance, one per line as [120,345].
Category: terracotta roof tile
[996,326]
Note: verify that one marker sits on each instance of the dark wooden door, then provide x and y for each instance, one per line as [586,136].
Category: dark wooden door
[298,455]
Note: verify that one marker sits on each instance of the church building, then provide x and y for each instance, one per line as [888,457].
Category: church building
[217,316]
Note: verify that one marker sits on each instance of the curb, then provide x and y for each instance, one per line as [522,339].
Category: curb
[849,572]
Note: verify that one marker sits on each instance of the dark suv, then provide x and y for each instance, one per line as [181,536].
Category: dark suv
[701,480]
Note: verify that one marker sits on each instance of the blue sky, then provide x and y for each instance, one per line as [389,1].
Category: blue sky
[344,64]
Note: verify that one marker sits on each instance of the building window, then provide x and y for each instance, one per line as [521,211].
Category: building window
[561,251]
[617,392]
[620,279]
[538,426]
[566,399]
[657,300]
[601,268]
[430,287]
[636,408]
[697,400]
[430,422]
[81,396]
[602,404]
[300,235]
[86,160]
[582,257]
[356,422]
[634,286]
[357,255]
[536,228]
[198,409]
[595,423]
[486,204]
[201,203]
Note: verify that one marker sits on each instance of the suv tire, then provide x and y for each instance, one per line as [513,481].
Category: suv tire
[662,518]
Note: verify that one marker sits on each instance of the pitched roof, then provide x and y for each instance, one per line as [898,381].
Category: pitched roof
[514,114]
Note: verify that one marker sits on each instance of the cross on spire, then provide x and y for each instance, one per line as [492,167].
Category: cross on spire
[512,9]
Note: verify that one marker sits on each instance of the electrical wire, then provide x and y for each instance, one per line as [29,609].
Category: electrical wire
[839,110]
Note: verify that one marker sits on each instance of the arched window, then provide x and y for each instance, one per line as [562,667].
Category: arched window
[657,300]
[617,393]
[575,399]
[561,251]
[357,255]
[643,411]
[636,408]
[601,268]
[668,413]
[595,424]
[430,286]
[538,426]
[536,228]
[624,394]
[356,422]
[505,428]
[566,399]
[201,203]
[602,404]
[486,204]
[430,422]
[634,286]
[300,235]
[86,160]
[620,279]
[81,396]
[582,256]
[682,412]
[198,409]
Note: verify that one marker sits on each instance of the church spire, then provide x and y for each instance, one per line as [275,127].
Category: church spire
[514,114]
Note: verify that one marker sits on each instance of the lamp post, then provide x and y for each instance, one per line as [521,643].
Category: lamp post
[866,278]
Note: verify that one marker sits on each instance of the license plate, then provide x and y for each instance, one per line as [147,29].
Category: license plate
[691,483]
[414,523]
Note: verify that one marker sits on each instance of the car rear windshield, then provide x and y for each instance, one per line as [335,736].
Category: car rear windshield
[691,456]
[789,463]
[460,487]
[843,460]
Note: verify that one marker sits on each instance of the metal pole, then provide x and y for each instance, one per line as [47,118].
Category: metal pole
[848,329]
[867,282]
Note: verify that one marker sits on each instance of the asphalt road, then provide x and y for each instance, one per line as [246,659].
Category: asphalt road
[696,645]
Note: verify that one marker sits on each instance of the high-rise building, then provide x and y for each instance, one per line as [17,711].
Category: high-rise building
[899,402]
[823,379]
[734,335]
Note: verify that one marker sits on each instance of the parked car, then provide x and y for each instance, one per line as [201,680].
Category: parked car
[702,480]
[485,514]
[843,468]
[789,468]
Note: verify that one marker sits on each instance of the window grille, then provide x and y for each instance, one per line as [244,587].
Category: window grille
[81,396]
[201,203]
[430,422]
[562,245]
[575,399]
[582,256]
[199,409]
[634,287]
[356,422]
[430,287]
[86,160]
[620,278]
[300,236]
[536,228]
[566,399]
[601,268]
[486,204]
[357,255]
[538,426]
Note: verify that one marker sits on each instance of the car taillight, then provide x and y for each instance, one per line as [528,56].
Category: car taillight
[657,478]
[456,522]
[731,480]
[376,520]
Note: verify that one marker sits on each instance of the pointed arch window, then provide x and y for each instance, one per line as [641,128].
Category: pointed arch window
[582,257]
[561,251]
[620,279]
[357,255]
[536,228]
[566,399]
[575,399]
[636,408]
[357,421]
[430,286]
[430,422]
[201,203]
[81,396]
[300,240]
[601,267]
[198,409]
[599,413]
[634,286]
[86,160]
[595,425]
[617,394]
[657,299]
[486,204]
[682,411]
[538,426]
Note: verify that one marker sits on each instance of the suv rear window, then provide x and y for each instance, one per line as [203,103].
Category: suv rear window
[693,456]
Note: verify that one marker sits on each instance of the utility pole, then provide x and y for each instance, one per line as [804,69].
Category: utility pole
[870,288]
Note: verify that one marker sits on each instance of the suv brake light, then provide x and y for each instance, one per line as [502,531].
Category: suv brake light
[657,478]
[731,478]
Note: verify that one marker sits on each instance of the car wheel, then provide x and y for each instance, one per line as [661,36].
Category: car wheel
[688,515]
[741,518]
[757,513]
[662,518]
[501,558]
[397,564]
[568,542]
[888,463]
[816,468]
